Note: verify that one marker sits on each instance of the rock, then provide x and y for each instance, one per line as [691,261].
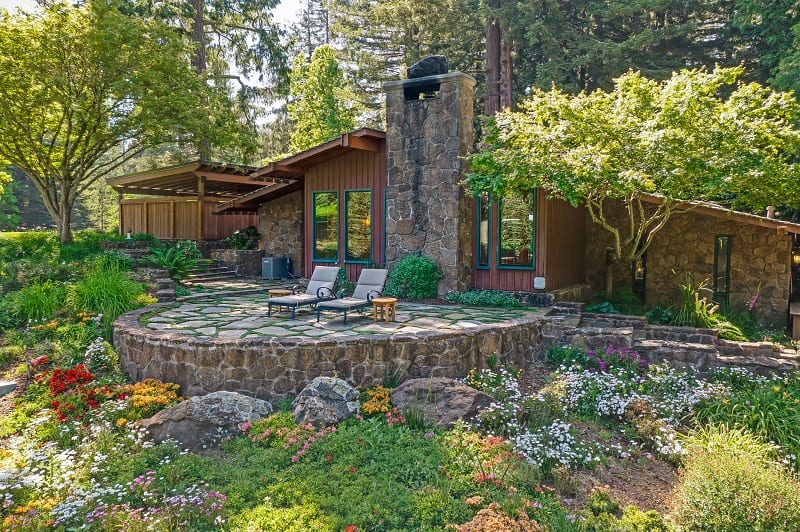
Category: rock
[432,65]
[6,387]
[443,401]
[202,422]
[325,401]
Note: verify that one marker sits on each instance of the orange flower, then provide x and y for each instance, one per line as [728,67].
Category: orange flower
[350,528]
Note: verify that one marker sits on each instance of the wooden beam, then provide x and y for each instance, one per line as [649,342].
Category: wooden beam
[152,174]
[201,188]
[153,192]
[226,178]
[360,143]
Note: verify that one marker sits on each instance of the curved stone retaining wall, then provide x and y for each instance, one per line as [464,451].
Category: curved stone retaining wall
[276,368]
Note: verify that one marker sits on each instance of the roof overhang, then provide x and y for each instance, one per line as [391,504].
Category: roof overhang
[211,179]
[718,211]
[365,139]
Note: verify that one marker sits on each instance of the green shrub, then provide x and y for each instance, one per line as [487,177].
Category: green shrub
[698,311]
[566,355]
[483,298]
[659,315]
[177,259]
[112,261]
[414,277]
[768,408]
[730,482]
[245,238]
[37,303]
[104,292]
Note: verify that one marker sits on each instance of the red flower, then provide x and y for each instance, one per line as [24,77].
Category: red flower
[40,361]
[328,457]
[350,528]
[352,469]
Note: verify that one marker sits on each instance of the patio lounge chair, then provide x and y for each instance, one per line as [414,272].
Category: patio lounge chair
[320,288]
[369,286]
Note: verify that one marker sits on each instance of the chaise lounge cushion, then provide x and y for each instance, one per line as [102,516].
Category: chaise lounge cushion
[320,288]
[369,286]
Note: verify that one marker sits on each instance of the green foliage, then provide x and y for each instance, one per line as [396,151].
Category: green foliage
[566,356]
[483,298]
[659,315]
[606,307]
[244,238]
[682,138]
[36,303]
[321,103]
[698,311]
[414,277]
[106,292]
[89,78]
[769,409]
[730,482]
[603,514]
[177,259]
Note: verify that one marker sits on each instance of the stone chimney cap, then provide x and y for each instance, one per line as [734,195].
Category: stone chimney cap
[432,65]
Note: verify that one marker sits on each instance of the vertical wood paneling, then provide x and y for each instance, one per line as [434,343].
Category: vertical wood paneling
[355,170]
[560,245]
[176,218]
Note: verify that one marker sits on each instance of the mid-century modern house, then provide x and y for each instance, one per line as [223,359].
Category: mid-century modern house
[371,197]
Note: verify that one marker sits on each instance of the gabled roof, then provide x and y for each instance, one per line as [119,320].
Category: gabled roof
[218,180]
[284,176]
[718,211]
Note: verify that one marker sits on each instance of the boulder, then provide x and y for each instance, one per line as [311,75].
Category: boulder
[200,423]
[325,401]
[443,401]
[432,65]
[6,387]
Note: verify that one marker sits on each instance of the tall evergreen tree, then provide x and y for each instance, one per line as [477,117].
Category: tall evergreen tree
[321,103]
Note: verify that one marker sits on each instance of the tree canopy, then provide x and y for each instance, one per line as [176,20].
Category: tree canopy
[321,103]
[86,88]
[700,135]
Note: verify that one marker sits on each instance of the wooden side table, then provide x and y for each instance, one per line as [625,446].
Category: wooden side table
[279,292]
[384,308]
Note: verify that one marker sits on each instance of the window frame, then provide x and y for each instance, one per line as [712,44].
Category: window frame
[314,256]
[532,247]
[347,226]
[488,259]
[720,296]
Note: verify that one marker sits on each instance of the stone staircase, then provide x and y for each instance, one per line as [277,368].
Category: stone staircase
[685,347]
[210,272]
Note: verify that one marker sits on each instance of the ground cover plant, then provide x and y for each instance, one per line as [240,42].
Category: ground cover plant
[73,457]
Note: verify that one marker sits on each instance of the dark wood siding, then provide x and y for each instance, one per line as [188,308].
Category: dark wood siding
[560,244]
[355,170]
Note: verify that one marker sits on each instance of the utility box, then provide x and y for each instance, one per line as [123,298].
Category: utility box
[275,268]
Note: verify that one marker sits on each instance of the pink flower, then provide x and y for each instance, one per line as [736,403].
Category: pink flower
[295,458]
[245,426]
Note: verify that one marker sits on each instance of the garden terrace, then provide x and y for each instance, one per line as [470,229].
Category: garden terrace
[226,342]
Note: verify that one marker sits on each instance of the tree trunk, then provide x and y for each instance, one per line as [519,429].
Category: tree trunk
[494,36]
[64,225]
[199,61]
[609,280]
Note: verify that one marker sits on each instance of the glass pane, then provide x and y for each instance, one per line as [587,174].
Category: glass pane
[517,224]
[483,230]
[721,257]
[359,231]
[326,225]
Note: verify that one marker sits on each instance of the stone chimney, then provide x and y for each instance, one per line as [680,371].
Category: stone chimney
[428,134]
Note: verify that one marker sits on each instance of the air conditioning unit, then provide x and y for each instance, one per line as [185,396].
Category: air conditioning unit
[275,268]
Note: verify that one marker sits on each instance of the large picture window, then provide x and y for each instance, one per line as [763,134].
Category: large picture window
[482,255]
[517,231]
[326,226]
[358,220]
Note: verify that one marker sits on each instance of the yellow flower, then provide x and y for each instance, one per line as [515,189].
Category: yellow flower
[121,422]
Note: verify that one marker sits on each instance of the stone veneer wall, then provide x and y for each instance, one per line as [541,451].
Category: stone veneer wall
[760,256]
[277,368]
[281,227]
[246,262]
[427,209]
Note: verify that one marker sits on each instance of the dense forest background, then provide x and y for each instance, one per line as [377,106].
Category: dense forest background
[510,47]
